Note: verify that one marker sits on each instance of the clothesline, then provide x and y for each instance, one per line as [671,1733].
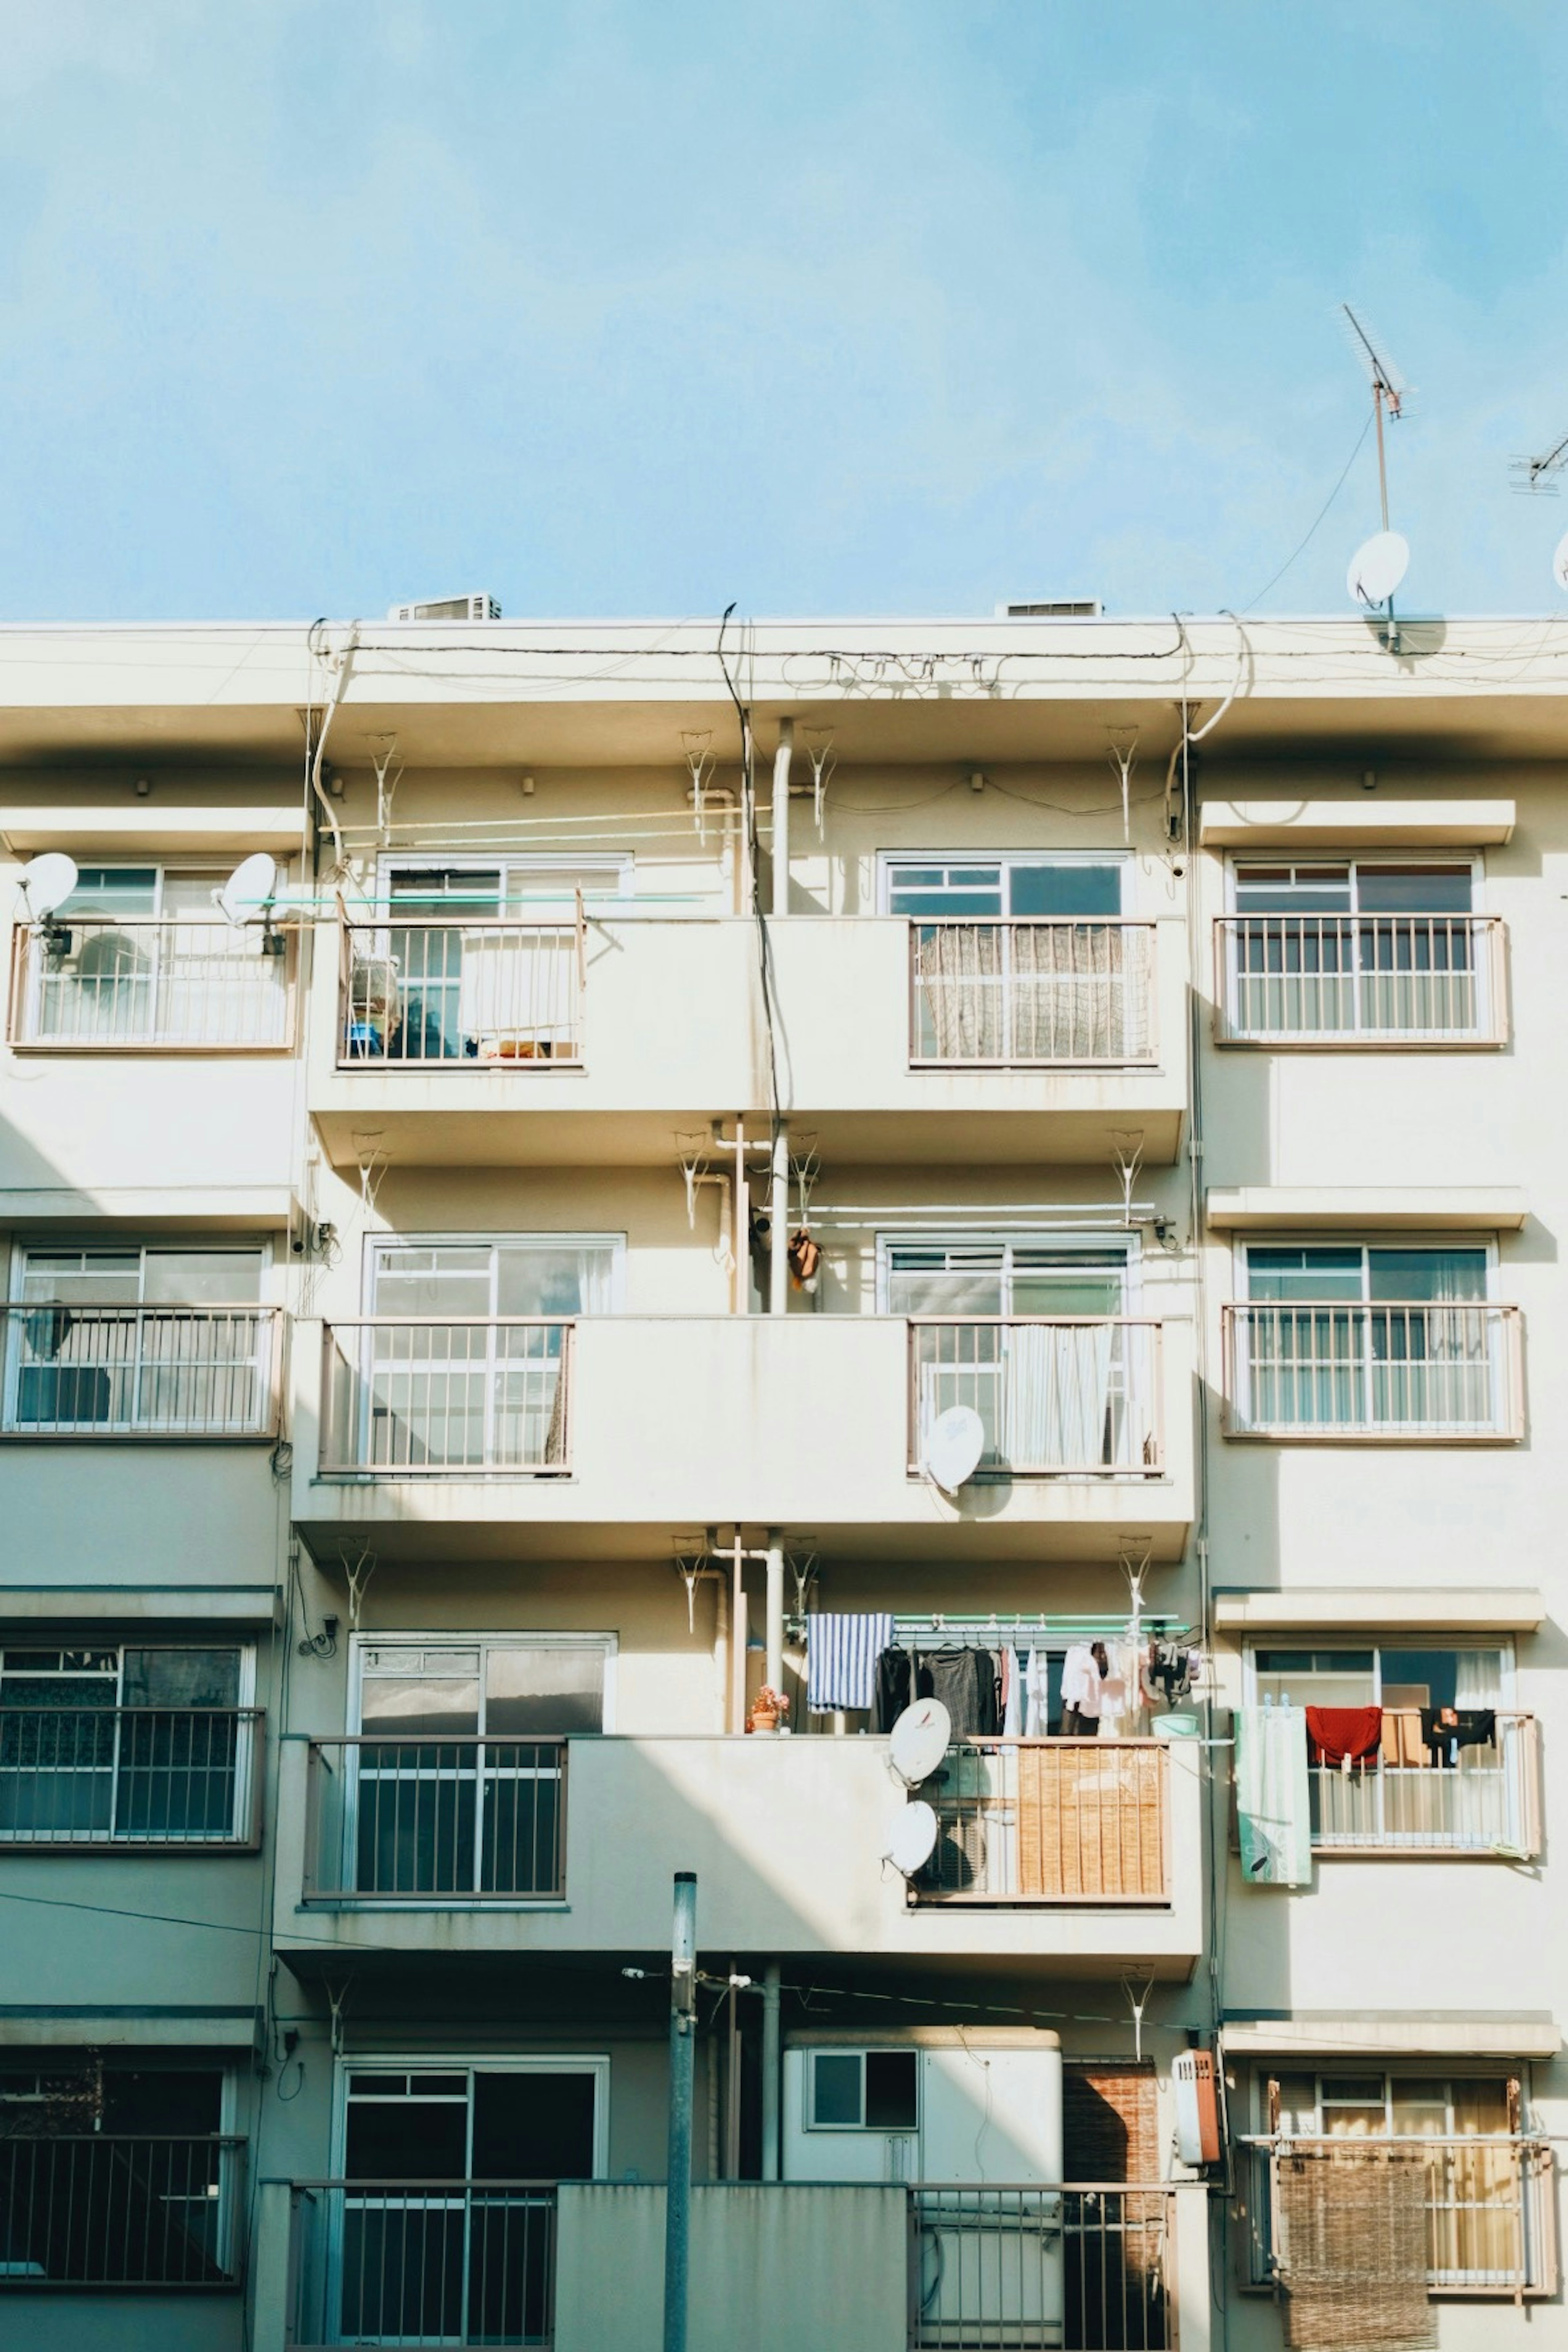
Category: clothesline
[935,1628]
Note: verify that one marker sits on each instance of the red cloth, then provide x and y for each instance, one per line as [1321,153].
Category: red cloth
[1338,1734]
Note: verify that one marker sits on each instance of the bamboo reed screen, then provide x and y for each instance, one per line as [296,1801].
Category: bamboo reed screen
[1091,1821]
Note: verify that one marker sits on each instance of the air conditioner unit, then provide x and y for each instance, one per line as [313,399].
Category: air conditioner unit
[1054,608]
[447,608]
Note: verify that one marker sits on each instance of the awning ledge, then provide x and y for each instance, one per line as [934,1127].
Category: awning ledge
[1373,2033]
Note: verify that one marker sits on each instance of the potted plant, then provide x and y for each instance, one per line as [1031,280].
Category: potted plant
[767,1708]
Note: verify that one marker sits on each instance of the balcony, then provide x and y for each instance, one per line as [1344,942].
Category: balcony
[1002,1042]
[140,1372]
[526,2262]
[1051,1821]
[1408,1800]
[416,1820]
[1341,980]
[159,2214]
[120,985]
[537,1431]
[1071,1860]
[1489,2204]
[138,1779]
[1413,1372]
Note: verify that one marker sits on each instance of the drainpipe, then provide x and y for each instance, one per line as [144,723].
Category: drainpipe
[770,2042]
[781,816]
[778,1224]
[775,1632]
[682,2038]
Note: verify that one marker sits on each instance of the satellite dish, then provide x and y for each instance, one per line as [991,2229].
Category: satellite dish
[919,1740]
[1377,567]
[1559,562]
[46,883]
[954,1446]
[912,1840]
[248,893]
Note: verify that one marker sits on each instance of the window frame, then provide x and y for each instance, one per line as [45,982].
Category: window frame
[1238,861]
[1081,1243]
[564,861]
[888,862]
[860,2050]
[378,1246]
[557,1638]
[1485,1245]
[470,2063]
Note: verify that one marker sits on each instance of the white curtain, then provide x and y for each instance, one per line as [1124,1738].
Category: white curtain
[1057,1395]
[959,967]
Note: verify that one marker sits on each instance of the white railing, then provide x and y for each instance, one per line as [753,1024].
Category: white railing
[429,1395]
[1302,979]
[1412,1798]
[433,995]
[139,1371]
[1490,2208]
[1077,1395]
[116,983]
[1032,2268]
[1404,1369]
[1050,1821]
[1025,994]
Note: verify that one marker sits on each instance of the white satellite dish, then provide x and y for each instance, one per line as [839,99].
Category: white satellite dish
[46,883]
[1377,567]
[247,897]
[919,1740]
[954,1446]
[1560,561]
[912,1840]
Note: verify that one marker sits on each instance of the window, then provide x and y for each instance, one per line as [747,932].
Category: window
[139,955]
[1012,883]
[450,2238]
[156,1339]
[543,889]
[1346,1338]
[543,1274]
[133,1744]
[1455,1768]
[1341,946]
[457,1779]
[864,2090]
[1033,1336]
[1022,960]
[117,2174]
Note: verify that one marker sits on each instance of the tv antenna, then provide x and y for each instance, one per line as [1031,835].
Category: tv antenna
[1380,562]
[1538,473]
[1388,390]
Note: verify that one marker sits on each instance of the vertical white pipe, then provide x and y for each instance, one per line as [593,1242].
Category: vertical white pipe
[772,2040]
[721,1649]
[781,816]
[778,1224]
[741,1242]
[776,1604]
[738,1637]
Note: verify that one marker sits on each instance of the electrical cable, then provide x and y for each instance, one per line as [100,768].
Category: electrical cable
[1322,510]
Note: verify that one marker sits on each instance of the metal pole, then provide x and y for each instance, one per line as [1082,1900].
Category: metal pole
[781,816]
[773,1631]
[742,1242]
[778,1224]
[739,1633]
[771,2043]
[1382,465]
[682,2042]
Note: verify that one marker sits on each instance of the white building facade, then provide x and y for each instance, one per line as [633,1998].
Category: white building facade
[500,1304]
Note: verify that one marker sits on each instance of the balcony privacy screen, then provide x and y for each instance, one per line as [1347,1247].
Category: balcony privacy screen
[1353,2235]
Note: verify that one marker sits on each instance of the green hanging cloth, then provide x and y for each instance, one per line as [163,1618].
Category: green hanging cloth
[1273,1800]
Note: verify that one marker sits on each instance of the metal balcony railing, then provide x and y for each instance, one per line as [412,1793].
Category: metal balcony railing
[139,1371]
[428,1396]
[1080,1396]
[1490,2205]
[120,984]
[423,2262]
[104,2211]
[428,1822]
[1035,2267]
[437,995]
[180,1778]
[1050,1821]
[1401,1369]
[1410,1798]
[1027,994]
[1345,980]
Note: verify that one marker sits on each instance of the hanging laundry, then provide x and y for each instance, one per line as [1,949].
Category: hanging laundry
[1273,1796]
[1343,1735]
[1167,1672]
[1012,1695]
[1120,1693]
[841,1653]
[965,1683]
[1038,1695]
[1084,1671]
[1445,1729]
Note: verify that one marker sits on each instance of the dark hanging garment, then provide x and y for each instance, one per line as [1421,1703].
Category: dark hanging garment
[892,1688]
[965,1680]
[1445,1729]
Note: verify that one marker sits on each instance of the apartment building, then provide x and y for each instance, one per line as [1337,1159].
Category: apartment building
[562,1185]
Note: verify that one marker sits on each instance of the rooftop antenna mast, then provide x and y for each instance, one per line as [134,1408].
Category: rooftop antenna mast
[1536,473]
[1388,389]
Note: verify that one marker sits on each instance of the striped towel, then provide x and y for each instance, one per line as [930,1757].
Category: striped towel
[841,1655]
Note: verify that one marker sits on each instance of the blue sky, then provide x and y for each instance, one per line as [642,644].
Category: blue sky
[308,305]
